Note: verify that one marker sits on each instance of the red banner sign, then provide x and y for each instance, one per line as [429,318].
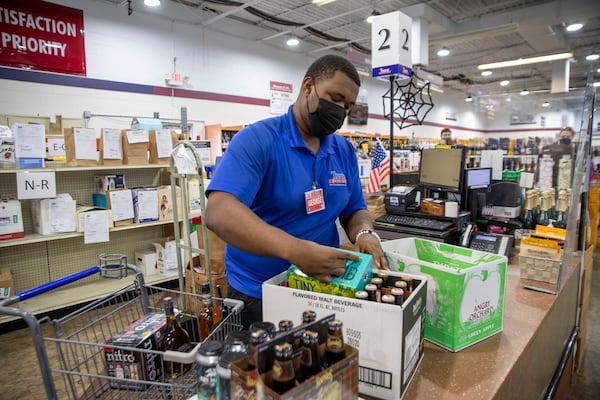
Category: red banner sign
[40,35]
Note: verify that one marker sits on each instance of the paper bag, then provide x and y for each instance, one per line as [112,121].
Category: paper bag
[216,247]
[80,147]
[135,146]
[160,149]
[111,147]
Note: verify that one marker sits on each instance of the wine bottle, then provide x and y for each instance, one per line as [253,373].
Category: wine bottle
[174,338]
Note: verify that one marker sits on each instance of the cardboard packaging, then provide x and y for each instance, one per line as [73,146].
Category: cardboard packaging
[11,220]
[162,142]
[145,204]
[103,183]
[145,260]
[357,275]
[216,248]
[82,210]
[80,147]
[7,287]
[389,337]
[165,202]
[7,147]
[465,289]
[134,364]
[135,146]
[120,201]
[433,207]
[58,215]
[166,257]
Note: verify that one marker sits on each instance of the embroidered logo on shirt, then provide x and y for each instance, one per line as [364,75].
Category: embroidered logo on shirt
[337,179]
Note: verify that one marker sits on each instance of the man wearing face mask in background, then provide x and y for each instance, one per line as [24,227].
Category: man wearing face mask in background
[560,149]
[282,184]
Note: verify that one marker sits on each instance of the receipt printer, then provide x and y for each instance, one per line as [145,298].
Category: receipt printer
[401,199]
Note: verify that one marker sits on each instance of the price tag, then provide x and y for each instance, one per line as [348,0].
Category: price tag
[391,42]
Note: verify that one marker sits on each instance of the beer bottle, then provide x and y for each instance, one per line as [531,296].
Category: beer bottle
[308,316]
[237,341]
[267,326]
[209,315]
[409,286]
[361,295]
[378,282]
[388,299]
[334,345]
[384,276]
[257,337]
[371,291]
[398,296]
[310,361]
[174,338]
[283,376]
[285,325]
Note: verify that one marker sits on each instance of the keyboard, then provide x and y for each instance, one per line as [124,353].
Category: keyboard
[415,222]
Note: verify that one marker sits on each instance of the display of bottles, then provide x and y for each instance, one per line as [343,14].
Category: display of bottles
[562,207]
[545,202]
[528,220]
[335,349]
[209,315]
[310,361]
[283,376]
[174,338]
[207,359]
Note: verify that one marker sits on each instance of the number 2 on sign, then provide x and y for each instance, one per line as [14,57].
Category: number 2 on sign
[385,44]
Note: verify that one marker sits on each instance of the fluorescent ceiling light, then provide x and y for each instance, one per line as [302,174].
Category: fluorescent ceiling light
[443,52]
[592,57]
[546,104]
[524,92]
[525,61]
[468,99]
[322,2]
[292,41]
[504,83]
[486,73]
[574,27]
[152,3]
[596,84]
[371,17]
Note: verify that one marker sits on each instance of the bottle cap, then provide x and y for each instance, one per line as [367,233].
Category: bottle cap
[283,350]
[309,316]
[310,337]
[211,348]
[205,288]
[269,327]
[285,325]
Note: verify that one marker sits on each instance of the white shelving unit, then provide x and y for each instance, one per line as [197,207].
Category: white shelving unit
[36,259]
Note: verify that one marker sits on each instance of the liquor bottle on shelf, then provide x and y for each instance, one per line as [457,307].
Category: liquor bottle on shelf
[283,376]
[335,349]
[209,315]
[174,338]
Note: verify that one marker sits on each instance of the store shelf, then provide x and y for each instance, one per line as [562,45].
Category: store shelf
[63,168]
[74,295]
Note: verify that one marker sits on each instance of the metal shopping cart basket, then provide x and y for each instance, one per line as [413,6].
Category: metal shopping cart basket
[77,363]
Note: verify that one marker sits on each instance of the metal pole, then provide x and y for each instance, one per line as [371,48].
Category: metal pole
[392,78]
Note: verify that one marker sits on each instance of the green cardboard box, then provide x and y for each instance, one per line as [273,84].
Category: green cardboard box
[465,289]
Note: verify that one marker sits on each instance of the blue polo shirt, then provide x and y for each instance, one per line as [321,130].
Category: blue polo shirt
[269,168]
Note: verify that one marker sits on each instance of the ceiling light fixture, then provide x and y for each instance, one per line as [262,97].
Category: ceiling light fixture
[546,104]
[152,3]
[504,83]
[292,40]
[574,27]
[443,52]
[596,84]
[371,17]
[525,61]
[524,92]
[468,99]
[486,73]
[592,57]
[322,2]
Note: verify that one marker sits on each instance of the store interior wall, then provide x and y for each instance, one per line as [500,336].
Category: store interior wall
[141,49]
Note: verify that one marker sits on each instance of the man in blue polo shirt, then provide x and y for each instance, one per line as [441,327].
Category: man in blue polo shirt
[282,184]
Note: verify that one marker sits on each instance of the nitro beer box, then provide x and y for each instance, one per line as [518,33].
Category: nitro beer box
[135,362]
[465,289]
[389,337]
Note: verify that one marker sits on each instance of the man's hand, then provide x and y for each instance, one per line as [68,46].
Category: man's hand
[322,262]
[370,244]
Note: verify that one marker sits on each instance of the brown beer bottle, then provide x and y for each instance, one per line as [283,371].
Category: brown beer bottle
[308,316]
[174,338]
[209,315]
[257,337]
[283,376]
[310,361]
[335,349]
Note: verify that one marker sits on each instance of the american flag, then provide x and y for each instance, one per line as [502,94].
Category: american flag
[380,169]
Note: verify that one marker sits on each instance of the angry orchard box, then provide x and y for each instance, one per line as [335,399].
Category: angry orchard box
[465,289]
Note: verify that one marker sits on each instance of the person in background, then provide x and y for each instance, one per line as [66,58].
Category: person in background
[559,149]
[283,183]
[446,137]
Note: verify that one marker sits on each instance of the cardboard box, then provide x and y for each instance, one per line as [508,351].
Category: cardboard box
[134,364]
[433,207]
[356,276]
[465,289]
[389,337]
[145,204]
[166,257]
[145,260]
[56,215]
[103,183]
[165,202]
[11,220]
[216,249]
[83,210]
[7,286]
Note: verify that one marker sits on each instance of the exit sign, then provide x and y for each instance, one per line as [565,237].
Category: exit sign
[36,185]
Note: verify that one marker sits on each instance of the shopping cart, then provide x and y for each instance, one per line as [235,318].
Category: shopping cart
[73,359]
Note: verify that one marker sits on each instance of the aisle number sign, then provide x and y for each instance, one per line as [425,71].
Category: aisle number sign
[391,42]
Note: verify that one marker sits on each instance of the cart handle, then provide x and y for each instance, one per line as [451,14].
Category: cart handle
[48,286]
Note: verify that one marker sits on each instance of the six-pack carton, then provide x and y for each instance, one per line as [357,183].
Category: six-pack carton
[465,289]
[389,337]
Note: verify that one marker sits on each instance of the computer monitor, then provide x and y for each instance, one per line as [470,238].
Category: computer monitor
[442,169]
[477,178]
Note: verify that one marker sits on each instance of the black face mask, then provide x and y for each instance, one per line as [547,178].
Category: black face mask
[565,141]
[326,119]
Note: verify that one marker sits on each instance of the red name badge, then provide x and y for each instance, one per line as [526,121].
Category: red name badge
[314,201]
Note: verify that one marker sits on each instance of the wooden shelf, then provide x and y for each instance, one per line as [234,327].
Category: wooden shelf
[73,295]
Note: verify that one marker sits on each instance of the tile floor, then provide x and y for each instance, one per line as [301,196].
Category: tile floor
[20,377]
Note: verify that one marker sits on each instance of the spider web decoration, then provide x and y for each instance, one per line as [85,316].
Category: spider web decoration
[411,103]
